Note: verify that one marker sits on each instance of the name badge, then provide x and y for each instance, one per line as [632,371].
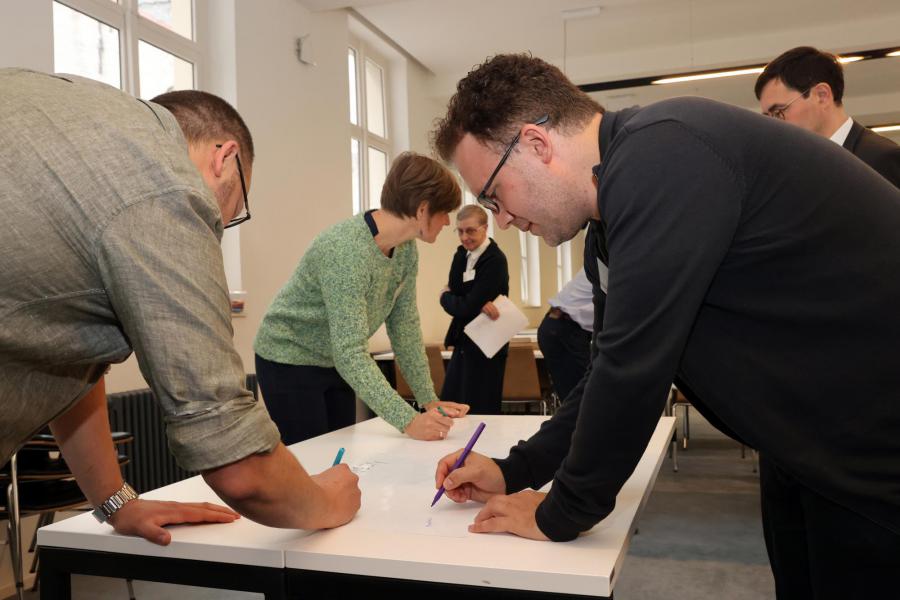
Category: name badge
[468,275]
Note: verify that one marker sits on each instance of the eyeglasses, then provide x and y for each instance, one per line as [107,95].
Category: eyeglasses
[469,230]
[778,111]
[487,201]
[246,215]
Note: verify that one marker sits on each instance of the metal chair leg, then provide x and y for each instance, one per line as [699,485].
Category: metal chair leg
[674,455]
[13,527]
[686,423]
[130,584]
[45,519]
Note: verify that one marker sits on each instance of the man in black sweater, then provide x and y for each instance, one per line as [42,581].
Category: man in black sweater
[754,262]
[805,86]
[478,274]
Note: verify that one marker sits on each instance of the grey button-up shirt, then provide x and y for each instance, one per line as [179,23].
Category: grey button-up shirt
[110,243]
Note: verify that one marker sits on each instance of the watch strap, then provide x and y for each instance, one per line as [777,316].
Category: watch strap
[111,505]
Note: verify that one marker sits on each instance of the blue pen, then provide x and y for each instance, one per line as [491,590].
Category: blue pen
[337,459]
[461,459]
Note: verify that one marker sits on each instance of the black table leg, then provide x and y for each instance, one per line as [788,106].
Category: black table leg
[56,581]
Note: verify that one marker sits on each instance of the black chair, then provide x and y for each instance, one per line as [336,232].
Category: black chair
[38,482]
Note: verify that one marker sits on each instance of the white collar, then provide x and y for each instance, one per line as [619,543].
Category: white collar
[840,136]
[477,252]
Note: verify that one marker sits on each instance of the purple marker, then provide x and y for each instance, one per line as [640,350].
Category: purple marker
[461,459]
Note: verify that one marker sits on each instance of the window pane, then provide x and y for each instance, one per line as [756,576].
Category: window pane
[162,72]
[171,14]
[375,99]
[523,274]
[354,95]
[377,174]
[85,46]
[355,175]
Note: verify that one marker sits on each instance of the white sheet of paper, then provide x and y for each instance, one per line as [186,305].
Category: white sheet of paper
[490,335]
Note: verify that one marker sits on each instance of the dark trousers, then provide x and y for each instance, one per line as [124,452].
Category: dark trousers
[567,353]
[305,401]
[474,379]
[821,550]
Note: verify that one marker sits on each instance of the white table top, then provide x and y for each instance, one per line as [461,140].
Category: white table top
[242,542]
[396,534]
[445,354]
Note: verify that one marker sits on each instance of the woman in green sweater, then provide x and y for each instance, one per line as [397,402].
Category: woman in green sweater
[312,354]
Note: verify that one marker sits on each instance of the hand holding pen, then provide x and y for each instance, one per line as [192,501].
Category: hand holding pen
[474,476]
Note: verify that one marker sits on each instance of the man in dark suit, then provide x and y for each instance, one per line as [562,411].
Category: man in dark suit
[805,86]
[478,274]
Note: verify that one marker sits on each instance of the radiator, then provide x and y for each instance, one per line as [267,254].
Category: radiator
[150,465]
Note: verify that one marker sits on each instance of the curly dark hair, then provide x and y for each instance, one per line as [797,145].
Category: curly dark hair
[503,93]
[803,67]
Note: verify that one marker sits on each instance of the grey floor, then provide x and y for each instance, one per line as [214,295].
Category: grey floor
[699,537]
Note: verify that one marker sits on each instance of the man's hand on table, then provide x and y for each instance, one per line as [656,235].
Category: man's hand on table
[147,518]
[511,514]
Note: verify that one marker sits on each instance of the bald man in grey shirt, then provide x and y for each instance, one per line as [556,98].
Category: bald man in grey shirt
[110,238]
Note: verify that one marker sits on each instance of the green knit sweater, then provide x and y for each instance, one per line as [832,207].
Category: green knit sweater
[343,289]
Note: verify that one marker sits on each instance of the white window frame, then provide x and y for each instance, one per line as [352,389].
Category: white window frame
[125,17]
[563,264]
[360,132]
[530,275]
[132,27]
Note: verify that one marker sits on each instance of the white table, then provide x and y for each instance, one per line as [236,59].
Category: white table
[396,541]
[445,354]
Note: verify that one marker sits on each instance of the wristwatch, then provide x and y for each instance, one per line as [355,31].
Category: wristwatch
[112,504]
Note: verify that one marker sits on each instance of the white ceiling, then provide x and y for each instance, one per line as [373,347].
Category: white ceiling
[631,38]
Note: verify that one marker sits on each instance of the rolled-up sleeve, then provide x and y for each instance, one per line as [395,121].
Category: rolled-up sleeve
[161,265]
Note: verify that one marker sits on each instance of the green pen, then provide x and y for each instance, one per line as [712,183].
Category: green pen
[441,410]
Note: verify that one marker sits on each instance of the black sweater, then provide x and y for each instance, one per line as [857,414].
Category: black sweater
[759,264]
[466,298]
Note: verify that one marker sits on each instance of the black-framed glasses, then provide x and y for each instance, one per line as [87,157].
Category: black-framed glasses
[487,201]
[778,111]
[246,215]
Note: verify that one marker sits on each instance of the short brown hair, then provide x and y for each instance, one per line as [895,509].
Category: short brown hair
[802,68]
[508,90]
[472,210]
[204,116]
[414,179]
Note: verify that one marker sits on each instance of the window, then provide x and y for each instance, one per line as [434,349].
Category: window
[563,264]
[144,47]
[85,46]
[370,143]
[530,252]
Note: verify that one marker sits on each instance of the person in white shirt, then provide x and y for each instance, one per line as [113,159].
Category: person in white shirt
[478,274]
[805,86]
[564,335]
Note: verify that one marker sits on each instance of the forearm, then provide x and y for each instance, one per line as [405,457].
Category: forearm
[85,440]
[273,489]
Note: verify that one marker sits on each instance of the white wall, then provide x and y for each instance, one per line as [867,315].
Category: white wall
[25,39]
[298,115]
